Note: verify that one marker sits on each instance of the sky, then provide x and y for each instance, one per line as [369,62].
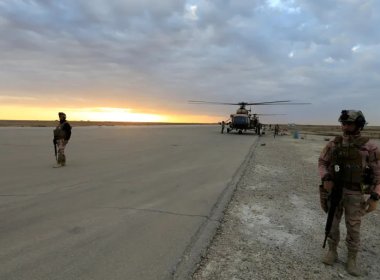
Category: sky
[127,60]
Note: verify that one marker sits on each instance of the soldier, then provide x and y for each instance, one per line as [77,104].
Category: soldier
[223,125]
[276,130]
[62,134]
[258,128]
[351,162]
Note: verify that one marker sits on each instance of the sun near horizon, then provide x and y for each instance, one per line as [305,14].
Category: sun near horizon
[101,114]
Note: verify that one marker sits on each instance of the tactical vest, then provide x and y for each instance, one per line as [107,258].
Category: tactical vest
[347,163]
[59,133]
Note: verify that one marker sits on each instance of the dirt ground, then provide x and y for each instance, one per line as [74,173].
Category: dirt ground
[273,227]
[370,131]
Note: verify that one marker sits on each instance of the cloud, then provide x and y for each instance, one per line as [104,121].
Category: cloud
[168,53]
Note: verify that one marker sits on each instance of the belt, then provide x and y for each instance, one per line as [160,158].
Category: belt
[352,186]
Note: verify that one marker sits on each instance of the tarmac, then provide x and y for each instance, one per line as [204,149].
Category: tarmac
[132,202]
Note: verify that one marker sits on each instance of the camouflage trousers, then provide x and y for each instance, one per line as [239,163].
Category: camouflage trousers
[353,205]
[61,144]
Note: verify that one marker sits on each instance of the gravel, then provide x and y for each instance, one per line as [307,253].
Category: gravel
[273,228]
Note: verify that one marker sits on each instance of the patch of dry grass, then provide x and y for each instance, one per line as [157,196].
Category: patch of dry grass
[334,130]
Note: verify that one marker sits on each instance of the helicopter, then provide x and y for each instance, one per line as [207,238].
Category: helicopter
[244,120]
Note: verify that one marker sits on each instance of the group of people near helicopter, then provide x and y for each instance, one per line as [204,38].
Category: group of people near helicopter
[257,127]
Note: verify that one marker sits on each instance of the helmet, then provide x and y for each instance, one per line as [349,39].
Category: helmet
[62,114]
[354,116]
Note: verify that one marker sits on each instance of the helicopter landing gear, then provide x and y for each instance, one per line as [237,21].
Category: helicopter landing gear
[258,130]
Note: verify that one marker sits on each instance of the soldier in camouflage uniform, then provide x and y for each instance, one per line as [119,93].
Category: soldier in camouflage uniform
[276,130]
[353,162]
[62,134]
[223,124]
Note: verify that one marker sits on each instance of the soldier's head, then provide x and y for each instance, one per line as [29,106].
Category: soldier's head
[352,121]
[62,116]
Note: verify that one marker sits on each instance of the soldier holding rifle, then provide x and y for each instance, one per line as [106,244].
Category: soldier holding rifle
[349,167]
[62,134]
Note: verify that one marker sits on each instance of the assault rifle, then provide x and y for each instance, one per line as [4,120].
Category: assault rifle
[335,197]
[55,148]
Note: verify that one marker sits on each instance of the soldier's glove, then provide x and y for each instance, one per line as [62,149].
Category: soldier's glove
[372,205]
[372,202]
[323,195]
[328,185]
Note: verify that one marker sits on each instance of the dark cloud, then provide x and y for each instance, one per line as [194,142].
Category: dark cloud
[325,52]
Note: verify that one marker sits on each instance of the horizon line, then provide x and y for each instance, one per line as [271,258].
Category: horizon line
[89,122]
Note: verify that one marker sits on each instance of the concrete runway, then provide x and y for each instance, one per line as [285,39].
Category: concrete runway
[130,204]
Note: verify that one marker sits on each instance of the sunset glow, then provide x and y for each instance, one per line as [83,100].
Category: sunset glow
[99,114]
[115,115]
[86,114]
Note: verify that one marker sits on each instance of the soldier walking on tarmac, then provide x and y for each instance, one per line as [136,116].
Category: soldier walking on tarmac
[276,130]
[62,134]
[351,164]
[223,124]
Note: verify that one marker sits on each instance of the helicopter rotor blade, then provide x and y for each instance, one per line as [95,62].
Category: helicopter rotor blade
[278,102]
[210,102]
[269,114]
[237,103]
[268,102]
[281,102]
[302,103]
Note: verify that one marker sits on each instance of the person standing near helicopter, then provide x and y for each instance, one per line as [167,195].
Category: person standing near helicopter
[223,125]
[349,167]
[276,130]
[62,134]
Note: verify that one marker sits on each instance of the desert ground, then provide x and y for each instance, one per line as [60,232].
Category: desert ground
[273,228]
[333,130]
[327,130]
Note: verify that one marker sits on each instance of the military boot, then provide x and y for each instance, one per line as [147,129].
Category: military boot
[332,254]
[352,268]
[57,165]
[61,160]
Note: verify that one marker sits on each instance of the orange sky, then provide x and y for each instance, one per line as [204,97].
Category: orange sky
[20,112]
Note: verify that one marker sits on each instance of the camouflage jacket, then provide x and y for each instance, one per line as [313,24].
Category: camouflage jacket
[369,152]
[62,131]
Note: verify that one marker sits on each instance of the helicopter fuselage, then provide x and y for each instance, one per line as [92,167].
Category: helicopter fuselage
[243,119]
[242,122]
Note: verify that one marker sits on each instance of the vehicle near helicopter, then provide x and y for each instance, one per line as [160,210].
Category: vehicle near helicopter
[243,120]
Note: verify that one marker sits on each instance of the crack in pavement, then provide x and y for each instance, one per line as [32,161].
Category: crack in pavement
[157,211]
[57,188]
